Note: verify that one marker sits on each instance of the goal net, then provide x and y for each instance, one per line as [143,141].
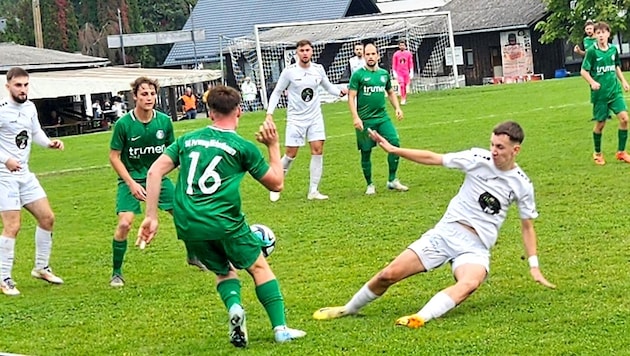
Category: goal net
[429,36]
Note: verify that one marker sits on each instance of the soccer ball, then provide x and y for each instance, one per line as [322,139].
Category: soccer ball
[266,236]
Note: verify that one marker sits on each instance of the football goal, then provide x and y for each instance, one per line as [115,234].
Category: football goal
[429,36]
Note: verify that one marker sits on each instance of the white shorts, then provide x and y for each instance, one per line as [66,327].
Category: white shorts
[450,242]
[18,190]
[297,132]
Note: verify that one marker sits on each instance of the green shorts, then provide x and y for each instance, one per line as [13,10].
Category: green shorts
[217,255]
[602,109]
[385,128]
[126,202]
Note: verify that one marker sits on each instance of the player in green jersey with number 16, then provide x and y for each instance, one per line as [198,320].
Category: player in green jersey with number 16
[366,98]
[207,207]
[601,68]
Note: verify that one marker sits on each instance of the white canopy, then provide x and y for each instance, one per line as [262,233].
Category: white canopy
[56,84]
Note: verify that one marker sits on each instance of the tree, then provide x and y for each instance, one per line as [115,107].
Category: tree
[566,18]
[163,16]
[19,24]
[59,25]
[71,25]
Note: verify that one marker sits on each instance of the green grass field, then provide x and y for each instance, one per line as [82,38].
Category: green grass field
[327,250]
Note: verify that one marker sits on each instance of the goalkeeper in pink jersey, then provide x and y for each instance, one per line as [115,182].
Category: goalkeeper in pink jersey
[402,68]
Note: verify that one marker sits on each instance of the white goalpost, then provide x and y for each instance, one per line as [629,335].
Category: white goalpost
[429,36]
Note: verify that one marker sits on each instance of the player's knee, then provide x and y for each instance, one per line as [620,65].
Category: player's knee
[124,225]
[260,270]
[388,276]
[11,229]
[469,285]
[47,221]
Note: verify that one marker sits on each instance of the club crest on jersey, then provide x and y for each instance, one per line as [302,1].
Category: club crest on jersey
[383,79]
[307,95]
[489,203]
[159,134]
[21,140]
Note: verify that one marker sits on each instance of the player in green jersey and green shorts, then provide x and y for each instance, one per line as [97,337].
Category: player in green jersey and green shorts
[601,68]
[589,40]
[207,207]
[367,90]
[139,138]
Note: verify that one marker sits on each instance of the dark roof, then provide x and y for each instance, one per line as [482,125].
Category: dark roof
[235,18]
[33,58]
[488,15]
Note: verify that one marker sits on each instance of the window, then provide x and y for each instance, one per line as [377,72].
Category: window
[469,58]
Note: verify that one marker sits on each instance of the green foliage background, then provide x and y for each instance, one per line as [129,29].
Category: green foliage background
[564,22]
[83,25]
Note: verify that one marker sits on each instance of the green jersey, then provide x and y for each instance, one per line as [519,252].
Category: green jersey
[588,42]
[140,144]
[602,66]
[212,161]
[371,88]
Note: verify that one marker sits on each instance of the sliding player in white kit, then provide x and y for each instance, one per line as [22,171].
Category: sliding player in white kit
[304,114]
[466,232]
[19,128]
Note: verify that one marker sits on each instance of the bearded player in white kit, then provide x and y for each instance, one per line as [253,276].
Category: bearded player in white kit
[466,232]
[19,128]
[304,113]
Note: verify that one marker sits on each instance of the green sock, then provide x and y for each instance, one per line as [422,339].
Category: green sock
[623,138]
[392,162]
[366,166]
[119,248]
[597,141]
[270,297]
[230,292]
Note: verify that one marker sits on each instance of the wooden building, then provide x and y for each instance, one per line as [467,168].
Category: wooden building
[480,28]
[68,83]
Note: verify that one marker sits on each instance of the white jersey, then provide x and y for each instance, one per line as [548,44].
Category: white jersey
[18,125]
[302,85]
[356,63]
[486,194]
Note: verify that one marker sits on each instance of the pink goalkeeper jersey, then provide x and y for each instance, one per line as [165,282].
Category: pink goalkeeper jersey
[402,62]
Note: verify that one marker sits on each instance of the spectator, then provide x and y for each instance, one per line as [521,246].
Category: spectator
[249,92]
[118,108]
[204,98]
[97,112]
[189,104]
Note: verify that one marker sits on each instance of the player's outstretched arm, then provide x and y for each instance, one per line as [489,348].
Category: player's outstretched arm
[268,135]
[161,167]
[332,89]
[419,156]
[282,85]
[530,242]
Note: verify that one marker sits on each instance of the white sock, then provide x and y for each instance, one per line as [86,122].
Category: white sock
[43,245]
[360,299]
[7,251]
[286,163]
[436,307]
[317,166]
